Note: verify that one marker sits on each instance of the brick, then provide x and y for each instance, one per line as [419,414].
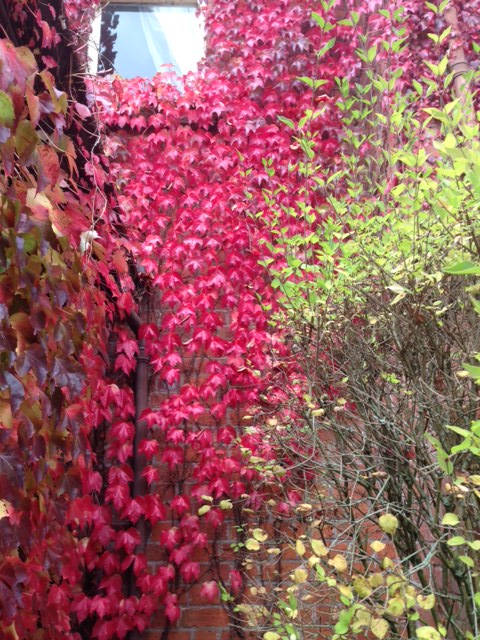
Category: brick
[173,634]
[206,635]
[180,634]
[204,617]
[155,552]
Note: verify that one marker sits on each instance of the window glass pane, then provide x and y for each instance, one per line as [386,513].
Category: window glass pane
[136,39]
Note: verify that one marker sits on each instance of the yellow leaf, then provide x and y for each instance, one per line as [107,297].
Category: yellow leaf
[428,633]
[300,575]
[204,509]
[396,606]
[388,523]
[300,548]
[274,551]
[426,602]
[271,635]
[338,562]
[304,508]
[252,545]
[361,620]
[395,583]
[375,580]
[377,546]
[362,586]
[345,591]
[260,535]
[379,627]
[318,548]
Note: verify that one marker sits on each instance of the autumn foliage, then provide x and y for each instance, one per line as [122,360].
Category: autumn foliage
[132,228]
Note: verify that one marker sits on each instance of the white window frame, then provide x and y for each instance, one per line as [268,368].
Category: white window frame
[94,41]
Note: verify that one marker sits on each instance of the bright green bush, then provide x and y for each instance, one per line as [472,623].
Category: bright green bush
[377,296]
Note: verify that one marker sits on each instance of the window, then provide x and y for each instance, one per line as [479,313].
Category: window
[140,38]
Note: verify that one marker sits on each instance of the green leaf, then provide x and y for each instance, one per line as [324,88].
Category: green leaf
[7,114]
[306,80]
[467,560]
[287,121]
[461,432]
[372,53]
[343,623]
[463,269]
[450,519]
[456,541]
[318,19]
[326,48]
[472,370]
[418,87]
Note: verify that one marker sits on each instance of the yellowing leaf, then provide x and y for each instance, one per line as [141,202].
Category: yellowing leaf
[428,633]
[338,562]
[375,580]
[304,507]
[300,575]
[260,535]
[361,620]
[318,548]
[388,523]
[450,519]
[345,591]
[362,586]
[274,551]
[426,602]
[377,546]
[300,548]
[204,509]
[396,606]
[252,545]
[271,635]
[379,627]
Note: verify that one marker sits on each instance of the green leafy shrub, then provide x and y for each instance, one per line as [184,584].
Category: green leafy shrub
[376,298]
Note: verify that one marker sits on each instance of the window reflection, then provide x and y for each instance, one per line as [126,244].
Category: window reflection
[137,40]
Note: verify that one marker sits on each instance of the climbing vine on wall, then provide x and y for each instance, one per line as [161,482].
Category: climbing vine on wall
[147,199]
